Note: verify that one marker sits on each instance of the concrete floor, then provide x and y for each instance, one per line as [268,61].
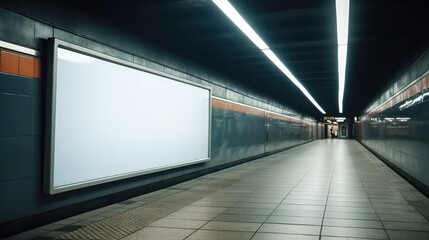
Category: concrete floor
[327,189]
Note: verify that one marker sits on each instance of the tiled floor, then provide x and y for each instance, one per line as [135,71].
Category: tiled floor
[327,189]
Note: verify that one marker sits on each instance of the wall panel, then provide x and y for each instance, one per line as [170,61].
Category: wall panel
[397,128]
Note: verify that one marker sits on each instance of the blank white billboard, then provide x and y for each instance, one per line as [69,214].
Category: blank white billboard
[109,121]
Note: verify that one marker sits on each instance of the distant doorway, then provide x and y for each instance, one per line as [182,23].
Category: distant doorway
[344,131]
[332,131]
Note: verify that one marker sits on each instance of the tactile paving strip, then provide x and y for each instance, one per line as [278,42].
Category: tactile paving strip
[123,224]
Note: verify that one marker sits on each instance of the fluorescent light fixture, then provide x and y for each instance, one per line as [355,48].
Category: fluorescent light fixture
[295,81]
[342,59]
[281,66]
[236,18]
[342,12]
[342,7]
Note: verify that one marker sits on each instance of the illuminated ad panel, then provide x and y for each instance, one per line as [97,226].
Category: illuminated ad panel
[109,119]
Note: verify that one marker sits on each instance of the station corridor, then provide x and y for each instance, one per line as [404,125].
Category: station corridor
[326,189]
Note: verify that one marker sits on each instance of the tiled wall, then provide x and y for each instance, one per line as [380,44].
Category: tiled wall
[19,64]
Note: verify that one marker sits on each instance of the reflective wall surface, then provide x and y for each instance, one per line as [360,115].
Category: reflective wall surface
[397,127]
[282,134]
[236,135]
[240,131]
[402,137]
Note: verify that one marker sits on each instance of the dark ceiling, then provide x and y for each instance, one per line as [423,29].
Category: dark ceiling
[385,38]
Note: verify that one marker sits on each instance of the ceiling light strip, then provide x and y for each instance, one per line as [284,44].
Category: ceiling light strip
[295,81]
[239,21]
[236,18]
[342,13]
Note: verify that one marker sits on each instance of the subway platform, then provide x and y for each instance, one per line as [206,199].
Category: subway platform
[326,189]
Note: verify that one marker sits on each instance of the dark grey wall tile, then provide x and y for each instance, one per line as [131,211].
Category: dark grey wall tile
[20,157]
[64,35]
[16,29]
[19,198]
[20,115]
[12,84]
[41,33]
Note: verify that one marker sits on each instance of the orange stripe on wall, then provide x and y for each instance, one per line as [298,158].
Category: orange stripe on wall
[9,62]
[19,64]
[219,104]
[37,68]
[284,118]
[404,95]
[26,66]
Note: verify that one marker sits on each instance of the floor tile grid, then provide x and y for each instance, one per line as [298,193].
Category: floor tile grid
[375,169]
[206,228]
[369,185]
[190,233]
[327,198]
[203,226]
[126,225]
[381,169]
[296,186]
[301,234]
[305,229]
[393,176]
[341,219]
[50,231]
[302,178]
